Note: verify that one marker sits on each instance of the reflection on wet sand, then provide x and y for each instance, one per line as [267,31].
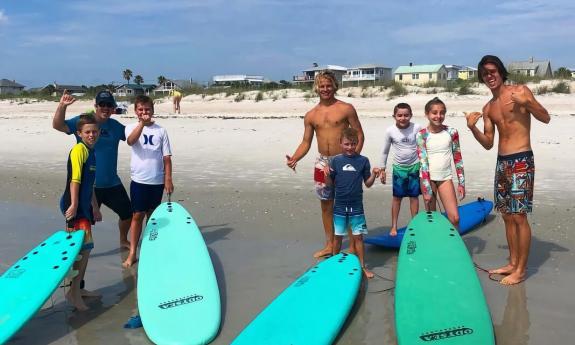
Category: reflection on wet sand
[514,327]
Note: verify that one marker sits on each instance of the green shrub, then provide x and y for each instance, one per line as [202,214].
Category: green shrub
[259,97]
[239,97]
[561,87]
[541,90]
[465,89]
[397,89]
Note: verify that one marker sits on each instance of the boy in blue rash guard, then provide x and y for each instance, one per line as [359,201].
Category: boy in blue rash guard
[78,203]
[347,173]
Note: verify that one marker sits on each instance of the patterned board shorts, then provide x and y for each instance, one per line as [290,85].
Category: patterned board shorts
[323,191]
[514,178]
[345,218]
[406,180]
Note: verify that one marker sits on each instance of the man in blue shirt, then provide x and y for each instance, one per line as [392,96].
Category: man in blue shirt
[109,189]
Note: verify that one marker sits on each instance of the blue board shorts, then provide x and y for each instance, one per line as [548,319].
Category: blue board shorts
[345,217]
[406,180]
[145,197]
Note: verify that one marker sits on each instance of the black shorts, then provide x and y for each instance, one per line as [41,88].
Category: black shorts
[146,197]
[116,199]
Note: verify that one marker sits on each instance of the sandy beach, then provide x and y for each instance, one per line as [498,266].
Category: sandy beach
[261,221]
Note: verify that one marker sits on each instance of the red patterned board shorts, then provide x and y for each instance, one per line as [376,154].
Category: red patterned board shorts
[514,179]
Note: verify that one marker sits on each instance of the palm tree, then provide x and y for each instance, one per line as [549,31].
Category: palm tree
[161,80]
[138,79]
[127,75]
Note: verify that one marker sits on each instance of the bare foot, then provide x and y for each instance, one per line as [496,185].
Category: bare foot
[125,244]
[393,232]
[76,301]
[507,269]
[319,254]
[87,293]
[368,274]
[513,278]
[129,261]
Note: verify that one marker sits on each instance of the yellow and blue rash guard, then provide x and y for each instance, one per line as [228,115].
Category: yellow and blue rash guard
[82,170]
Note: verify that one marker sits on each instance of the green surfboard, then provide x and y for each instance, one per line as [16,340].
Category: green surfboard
[27,284]
[438,296]
[178,294]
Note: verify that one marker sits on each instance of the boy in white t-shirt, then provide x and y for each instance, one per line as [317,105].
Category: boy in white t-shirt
[150,168]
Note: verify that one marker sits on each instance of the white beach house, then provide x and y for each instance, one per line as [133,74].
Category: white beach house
[308,75]
[367,73]
[228,79]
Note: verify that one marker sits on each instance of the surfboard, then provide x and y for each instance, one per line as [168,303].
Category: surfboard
[27,284]
[438,296]
[178,294]
[312,309]
[470,215]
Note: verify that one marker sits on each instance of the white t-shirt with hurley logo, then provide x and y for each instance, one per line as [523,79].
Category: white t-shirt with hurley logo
[147,163]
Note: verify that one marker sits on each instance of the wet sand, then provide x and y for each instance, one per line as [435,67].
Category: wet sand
[261,223]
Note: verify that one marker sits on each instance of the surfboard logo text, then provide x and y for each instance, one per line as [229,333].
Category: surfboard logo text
[153,234]
[411,245]
[446,333]
[301,281]
[181,301]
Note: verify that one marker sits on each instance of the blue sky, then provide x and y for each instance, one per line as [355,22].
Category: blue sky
[92,42]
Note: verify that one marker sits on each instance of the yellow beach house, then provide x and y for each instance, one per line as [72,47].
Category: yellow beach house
[420,74]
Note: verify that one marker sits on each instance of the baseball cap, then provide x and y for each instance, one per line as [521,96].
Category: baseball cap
[105,97]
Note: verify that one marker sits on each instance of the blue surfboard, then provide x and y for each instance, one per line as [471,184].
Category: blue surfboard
[178,294]
[27,284]
[470,215]
[292,318]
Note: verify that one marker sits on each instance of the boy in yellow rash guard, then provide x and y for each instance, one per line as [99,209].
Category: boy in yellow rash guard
[78,203]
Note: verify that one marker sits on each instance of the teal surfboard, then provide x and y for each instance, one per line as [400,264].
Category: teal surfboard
[27,284]
[311,310]
[178,295]
[438,296]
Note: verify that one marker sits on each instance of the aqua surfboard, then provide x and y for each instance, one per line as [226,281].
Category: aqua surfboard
[292,317]
[470,215]
[438,296]
[27,284]
[178,294]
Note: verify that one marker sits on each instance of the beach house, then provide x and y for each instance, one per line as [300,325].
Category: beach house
[308,75]
[173,84]
[128,90]
[10,87]
[453,71]
[238,79]
[56,89]
[467,73]
[367,73]
[531,68]
[420,74]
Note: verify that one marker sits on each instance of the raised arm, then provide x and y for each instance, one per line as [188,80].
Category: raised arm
[58,122]
[486,137]
[305,144]
[354,123]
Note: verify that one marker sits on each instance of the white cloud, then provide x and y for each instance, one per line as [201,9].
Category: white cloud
[3,17]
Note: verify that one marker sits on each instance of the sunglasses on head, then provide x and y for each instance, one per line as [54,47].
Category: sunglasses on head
[106,105]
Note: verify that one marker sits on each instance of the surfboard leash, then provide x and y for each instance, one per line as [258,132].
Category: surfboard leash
[490,275]
[382,278]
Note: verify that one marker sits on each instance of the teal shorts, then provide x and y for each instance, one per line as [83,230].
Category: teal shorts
[345,218]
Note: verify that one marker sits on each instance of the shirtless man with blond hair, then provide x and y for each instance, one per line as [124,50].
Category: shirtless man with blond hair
[327,119]
[510,111]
